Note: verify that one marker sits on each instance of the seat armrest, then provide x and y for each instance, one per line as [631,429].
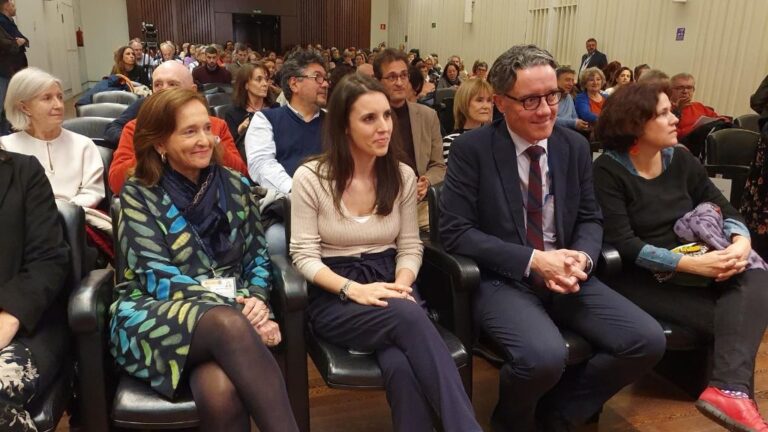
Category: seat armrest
[289,289]
[609,264]
[463,271]
[89,302]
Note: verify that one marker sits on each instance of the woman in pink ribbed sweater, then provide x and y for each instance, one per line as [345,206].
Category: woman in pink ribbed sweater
[355,239]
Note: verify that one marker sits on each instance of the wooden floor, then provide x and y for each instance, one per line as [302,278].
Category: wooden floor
[650,405]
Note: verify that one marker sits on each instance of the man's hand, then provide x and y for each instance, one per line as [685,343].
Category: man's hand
[422,185]
[9,326]
[561,269]
[21,41]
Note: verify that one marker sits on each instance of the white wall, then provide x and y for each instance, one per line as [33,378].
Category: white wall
[105,29]
[379,16]
[724,46]
[31,21]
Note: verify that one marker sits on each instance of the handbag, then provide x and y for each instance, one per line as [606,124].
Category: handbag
[682,278]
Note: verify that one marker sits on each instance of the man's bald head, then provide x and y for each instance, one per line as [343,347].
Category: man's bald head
[172,74]
[365,69]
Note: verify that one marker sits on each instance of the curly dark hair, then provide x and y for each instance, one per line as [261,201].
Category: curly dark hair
[626,112]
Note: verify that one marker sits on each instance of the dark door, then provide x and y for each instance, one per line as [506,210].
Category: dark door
[261,32]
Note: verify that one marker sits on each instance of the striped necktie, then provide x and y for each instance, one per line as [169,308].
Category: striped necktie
[535,206]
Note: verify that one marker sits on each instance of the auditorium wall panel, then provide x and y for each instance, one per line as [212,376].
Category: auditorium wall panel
[723,45]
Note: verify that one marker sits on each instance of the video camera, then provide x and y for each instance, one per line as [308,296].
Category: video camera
[149,34]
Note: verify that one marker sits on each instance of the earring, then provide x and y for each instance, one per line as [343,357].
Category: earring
[633,150]
[163,158]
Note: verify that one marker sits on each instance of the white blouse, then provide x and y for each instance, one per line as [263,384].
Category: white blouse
[71,161]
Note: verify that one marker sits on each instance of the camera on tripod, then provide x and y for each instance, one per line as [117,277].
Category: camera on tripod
[149,34]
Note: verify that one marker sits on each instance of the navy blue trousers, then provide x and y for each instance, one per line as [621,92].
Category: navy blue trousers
[525,322]
[419,373]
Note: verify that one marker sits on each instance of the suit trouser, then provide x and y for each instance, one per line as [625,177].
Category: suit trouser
[419,373]
[525,320]
[734,312]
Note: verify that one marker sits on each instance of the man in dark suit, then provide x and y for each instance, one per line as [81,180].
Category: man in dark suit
[593,57]
[518,198]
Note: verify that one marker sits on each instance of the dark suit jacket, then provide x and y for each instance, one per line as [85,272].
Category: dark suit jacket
[598,60]
[481,205]
[33,261]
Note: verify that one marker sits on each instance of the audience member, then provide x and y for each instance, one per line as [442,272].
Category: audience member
[622,77]
[418,126]
[480,69]
[689,111]
[437,66]
[647,187]
[360,59]
[536,250]
[653,76]
[35,107]
[278,140]
[241,58]
[224,281]
[593,58]
[365,69]
[34,335]
[125,64]
[13,46]
[566,110]
[420,85]
[356,241]
[759,101]
[167,53]
[590,102]
[450,77]
[250,95]
[472,108]
[640,70]
[211,72]
[337,74]
[167,75]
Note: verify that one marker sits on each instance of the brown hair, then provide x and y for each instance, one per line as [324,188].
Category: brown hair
[336,163]
[119,67]
[155,124]
[242,76]
[389,55]
[626,112]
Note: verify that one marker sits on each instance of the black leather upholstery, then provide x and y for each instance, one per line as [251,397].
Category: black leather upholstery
[106,109]
[748,122]
[110,398]
[46,410]
[92,127]
[106,159]
[115,96]
[221,110]
[218,99]
[732,147]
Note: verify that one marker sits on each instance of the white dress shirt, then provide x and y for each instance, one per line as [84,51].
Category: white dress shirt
[260,152]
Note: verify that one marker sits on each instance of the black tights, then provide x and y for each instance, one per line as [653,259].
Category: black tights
[234,377]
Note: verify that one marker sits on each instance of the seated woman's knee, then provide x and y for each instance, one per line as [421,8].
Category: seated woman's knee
[230,323]
[407,313]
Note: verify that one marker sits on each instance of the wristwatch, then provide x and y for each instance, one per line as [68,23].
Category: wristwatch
[343,292]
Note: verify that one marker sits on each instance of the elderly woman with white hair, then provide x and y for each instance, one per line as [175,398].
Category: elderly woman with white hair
[35,108]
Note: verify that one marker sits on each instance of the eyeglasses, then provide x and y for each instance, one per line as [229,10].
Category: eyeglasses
[531,103]
[681,88]
[392,78]
[320,79]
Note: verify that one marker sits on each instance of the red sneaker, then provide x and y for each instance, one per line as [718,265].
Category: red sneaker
[734,414]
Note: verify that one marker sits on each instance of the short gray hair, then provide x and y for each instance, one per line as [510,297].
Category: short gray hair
[682,76]
[588,73]
[295,65]
[25,85]
[503,73]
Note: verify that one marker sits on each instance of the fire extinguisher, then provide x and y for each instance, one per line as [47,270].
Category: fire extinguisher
[79,37]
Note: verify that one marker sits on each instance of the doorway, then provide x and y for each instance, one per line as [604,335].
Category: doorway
[261,32]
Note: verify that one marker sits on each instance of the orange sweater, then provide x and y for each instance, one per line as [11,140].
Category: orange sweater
[124,158]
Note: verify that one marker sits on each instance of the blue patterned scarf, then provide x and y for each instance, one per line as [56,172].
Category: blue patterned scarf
[204,206]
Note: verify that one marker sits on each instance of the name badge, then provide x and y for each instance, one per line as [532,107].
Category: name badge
[225,287]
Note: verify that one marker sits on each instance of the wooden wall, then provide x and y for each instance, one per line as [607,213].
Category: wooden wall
[340,23]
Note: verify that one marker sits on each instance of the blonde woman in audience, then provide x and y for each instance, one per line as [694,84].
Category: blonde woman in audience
[589,103]
[472,108]
[35,108]
[356,240]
